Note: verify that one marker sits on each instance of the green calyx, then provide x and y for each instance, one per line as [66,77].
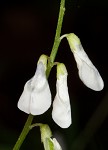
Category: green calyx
[43,58]
[46,135]
[61,70]
[73,41]
[48,142]
[45,132]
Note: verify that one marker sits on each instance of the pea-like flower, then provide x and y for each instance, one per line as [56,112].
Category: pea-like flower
[36,96]
[87,71]
[61,112]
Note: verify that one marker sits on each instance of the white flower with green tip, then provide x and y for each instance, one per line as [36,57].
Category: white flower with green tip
[61,112]
[87,71]
[36,96]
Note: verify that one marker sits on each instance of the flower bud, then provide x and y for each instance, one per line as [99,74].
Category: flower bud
[61,112]
[46,134]
[36,96]
[87,71]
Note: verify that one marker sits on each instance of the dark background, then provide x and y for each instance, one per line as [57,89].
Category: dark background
[27,30]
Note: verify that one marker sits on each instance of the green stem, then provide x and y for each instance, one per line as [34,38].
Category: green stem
[52,58]
[23,133]
[57,39]
[58,32]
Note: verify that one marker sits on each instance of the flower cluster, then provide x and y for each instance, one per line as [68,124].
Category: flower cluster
[36,97]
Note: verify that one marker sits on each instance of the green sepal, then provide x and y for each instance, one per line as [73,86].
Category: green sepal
[45,132]
[43,58]
[61,70]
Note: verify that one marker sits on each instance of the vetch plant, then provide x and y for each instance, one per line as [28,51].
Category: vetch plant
[36,97]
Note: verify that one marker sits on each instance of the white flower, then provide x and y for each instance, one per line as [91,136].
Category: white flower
[87,71]
[61,112]
[36,97]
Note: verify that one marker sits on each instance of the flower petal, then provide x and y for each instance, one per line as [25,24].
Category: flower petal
[41,95]
[89,74]
[87,71]
[24,101]
[61,112]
